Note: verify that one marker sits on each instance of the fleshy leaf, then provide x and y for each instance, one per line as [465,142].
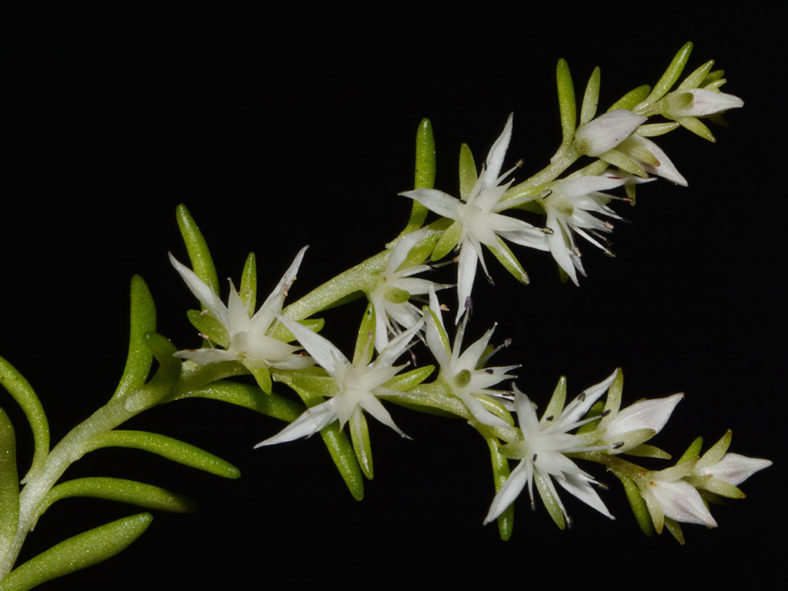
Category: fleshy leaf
[590,97]
[248,396]
[632,98]
[9,482]
[197,248]
[639,507]
[21,391]
[78,552]
[166,447]
[143,321]
[147,496]
[671,75]
[468,174]
[248,291]
[500,468]
[566,101]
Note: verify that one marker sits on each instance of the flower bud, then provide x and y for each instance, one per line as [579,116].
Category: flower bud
[607,131]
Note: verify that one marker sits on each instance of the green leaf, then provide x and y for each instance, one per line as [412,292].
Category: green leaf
[424,177]
[500,468]
[21,391]
[557,400]
[77,552]
[145,495]
[9,482]
[248,396]
[143,321]
[672,73]
[590,97]
[566,101]
[692,452]
[197,248]
[166,447]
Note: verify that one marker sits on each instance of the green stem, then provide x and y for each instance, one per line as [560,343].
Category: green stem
[536,184]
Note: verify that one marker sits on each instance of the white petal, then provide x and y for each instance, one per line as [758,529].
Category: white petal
[647,414]
[704,102]
[494,161]
[680,501]
[579,486]
[309,422]
[201,291]
[607,131]
[735,469]
[466,273]
[324,352]
[437,201]
[272,306]
[510,490]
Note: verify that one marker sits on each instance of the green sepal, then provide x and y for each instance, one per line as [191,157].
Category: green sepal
[197,248]
[78,552]
[142,321]
[442,335]
[500,469]
[656,129]
[122,490]
[624,162]
[404,382]
[248,293]
[21,391]
[209,327]
[551,502]
[675,529]
[557,400]
[671,75]
[693,451]
[250,397]
[590,97]
[638,504]
[448,240]
[9,482]
[508,259]
[365,338]
[166,447]
[468,176]
[717,451]
[631,99]
[567,104]
[261,375]
[697,127]
[359,436]
[697,77]
[644,450]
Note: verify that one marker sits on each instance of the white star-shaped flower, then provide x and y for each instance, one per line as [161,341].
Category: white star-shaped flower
[359,384]
[571,208]
[463,372]
[478,221]
[248,338]
[393,288]
[543,450]
[720,472]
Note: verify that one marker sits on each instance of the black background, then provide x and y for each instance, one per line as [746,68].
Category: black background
[280,131]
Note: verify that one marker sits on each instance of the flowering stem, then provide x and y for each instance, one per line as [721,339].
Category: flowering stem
[535,185]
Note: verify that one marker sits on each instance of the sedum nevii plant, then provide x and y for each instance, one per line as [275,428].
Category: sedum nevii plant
[268,355]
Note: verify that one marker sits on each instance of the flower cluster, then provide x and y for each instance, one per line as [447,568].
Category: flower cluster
[341,390]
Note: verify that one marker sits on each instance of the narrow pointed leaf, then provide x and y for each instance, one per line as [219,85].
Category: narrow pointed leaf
[359,435]
[9,482]
[78,552]
[500,468]
[365,339]
[248,396]
[166,447]
[639,507]
[21,391]
[144,495]
[566,101]
[143,321]
[590,97]
[424,177]
[197,248]
[672,73]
